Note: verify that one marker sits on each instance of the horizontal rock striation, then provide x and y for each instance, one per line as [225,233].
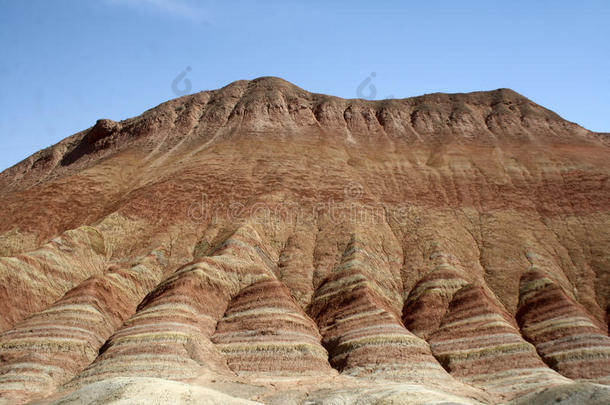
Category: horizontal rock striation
[50,347]
[31,281]
[169,335]
[479,343]
[303,234]
[265,333]
[565,335]
[364,335]
[429,300]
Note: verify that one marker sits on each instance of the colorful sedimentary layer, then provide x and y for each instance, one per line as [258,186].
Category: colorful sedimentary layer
[479,343]
[363,333]
[429,300]
[566,337]
[30,282]
[52,346]
[318,250]
[169,335]
[265,333]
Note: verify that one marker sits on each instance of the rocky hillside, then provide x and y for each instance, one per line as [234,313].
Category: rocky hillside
[263,244]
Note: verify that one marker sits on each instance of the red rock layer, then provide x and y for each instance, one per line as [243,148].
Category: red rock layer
[363,336]
[565,335]
[264,332]
[429,300]
[479,343]
[32,281]
[169,336]
[50,347]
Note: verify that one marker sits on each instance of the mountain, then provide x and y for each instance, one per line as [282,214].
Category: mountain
[263,244]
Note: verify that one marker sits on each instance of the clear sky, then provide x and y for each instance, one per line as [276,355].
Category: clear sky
[66,63]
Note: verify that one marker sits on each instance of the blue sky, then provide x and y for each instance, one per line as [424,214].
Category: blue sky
[66,63]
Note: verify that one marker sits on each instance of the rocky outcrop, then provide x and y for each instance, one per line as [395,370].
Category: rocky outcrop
[566,337]
[362,332]
[30,282]
[265,333]
[169,335]
[52,346]
[480,344]
[429,300]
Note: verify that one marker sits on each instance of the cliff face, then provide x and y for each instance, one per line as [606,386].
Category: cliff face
[262,242]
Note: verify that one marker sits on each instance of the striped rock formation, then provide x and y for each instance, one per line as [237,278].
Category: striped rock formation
[265,333]
[565,335]
[363,333]
[364,338]
[479,343]
[412,297]
[169,335]
[31,281]
[429,300]
[52,346]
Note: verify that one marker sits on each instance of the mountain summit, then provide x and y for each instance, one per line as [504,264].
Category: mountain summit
[263,244]
[277,109]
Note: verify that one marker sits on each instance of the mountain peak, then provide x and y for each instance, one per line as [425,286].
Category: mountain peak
[286,246]
[273,107]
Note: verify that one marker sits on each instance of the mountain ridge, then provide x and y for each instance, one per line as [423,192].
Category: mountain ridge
[79,144]
[266,243]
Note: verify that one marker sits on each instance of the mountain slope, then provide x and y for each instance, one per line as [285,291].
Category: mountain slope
[277,245]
